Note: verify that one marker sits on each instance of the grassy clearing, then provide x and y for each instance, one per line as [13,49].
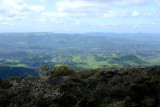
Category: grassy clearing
[17,65]
[21,65]
[88,61]
[155,60]
[11,61]
[99,61]
[91,61]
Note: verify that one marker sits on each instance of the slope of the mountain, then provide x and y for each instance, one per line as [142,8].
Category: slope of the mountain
[7,72]
[105,87]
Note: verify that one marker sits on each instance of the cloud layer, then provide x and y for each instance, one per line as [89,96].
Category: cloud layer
[79,12]
[17,9]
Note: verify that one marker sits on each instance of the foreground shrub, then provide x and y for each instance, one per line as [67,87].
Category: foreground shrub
[85,74]
[109,87]
[29,92]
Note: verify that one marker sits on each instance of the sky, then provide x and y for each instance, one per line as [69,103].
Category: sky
[79,16]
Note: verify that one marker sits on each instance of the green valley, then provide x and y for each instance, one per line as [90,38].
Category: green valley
[79,51]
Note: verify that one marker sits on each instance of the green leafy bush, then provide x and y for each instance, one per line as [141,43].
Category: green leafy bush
[62,70]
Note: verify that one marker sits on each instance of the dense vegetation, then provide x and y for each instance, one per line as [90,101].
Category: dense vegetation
[80,51]
[7,72]
[104,87]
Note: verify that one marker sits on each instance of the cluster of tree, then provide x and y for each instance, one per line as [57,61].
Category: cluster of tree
[105,87]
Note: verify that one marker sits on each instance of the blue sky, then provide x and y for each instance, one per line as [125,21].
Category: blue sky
[78,16]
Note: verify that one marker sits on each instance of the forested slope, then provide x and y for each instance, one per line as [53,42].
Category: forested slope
[105,87]
[7,72]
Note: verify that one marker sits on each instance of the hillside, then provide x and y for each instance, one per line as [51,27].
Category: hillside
[105,87]
[7,72]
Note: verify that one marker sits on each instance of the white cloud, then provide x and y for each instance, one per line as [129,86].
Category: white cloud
[69,9]
[77,23]
[37,8]
[113,14]
[54,14]
[13,5]
[44,0]
[153,23]
[74,6]
[4,23]
[42,20]
[94,8]
[139,15]
[116,2]
[135,14]
[107,14]
[17,9]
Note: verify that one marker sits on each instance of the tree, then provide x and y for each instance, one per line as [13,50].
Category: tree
[62,70]
[45,69]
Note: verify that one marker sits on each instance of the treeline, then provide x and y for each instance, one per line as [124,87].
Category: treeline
[64,87]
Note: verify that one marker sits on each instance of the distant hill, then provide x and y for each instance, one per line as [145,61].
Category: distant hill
[83,50]
[87,42]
